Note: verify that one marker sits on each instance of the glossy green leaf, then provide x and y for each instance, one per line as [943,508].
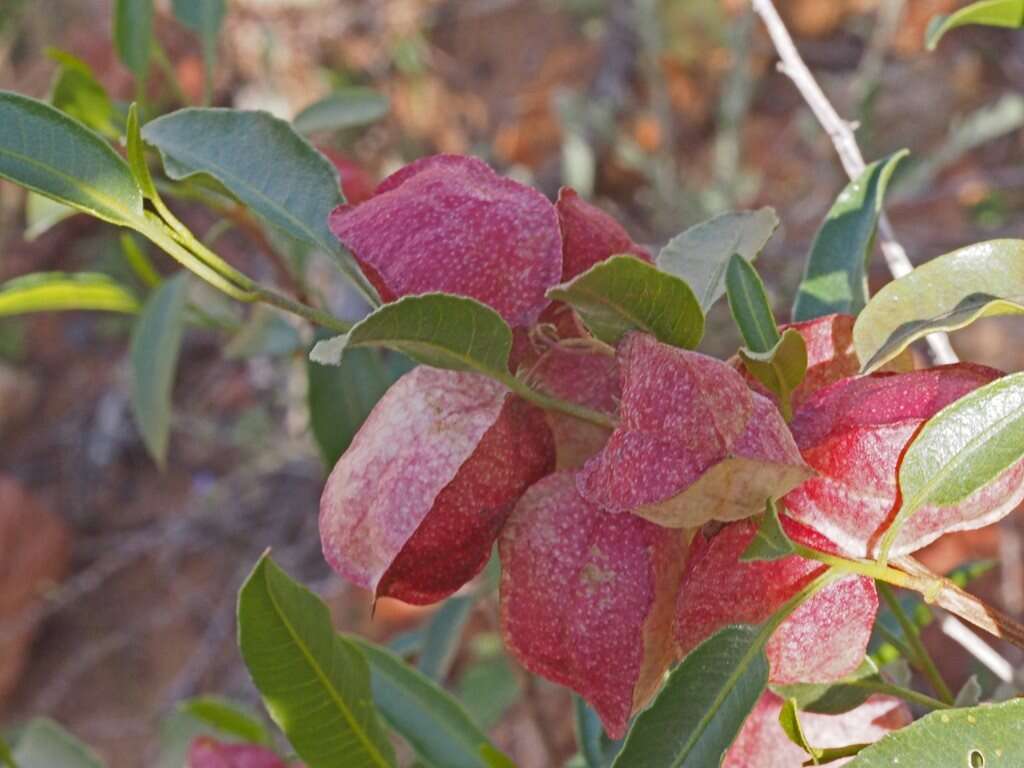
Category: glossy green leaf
[789,719]
[46,151]
[78,93]
[204,17]
[961,449]
[702,706]
[344,108]
[992,13]
[781,369]
[748,303]
[59,291]
[625,294]
[435,724]
[315,684]
[944,294]
[44,744]
[156,342]
[441,636]
[700,255]
[341,397]
[137,155]
[835,278]
[260,160]
[434,328]
[770,542]
[227,717]
[837,697]
[133,34]
[42,214]
[987,736]
[597,749]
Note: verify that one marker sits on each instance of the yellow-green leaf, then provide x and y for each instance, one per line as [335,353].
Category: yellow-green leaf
[992,13]
[60,291]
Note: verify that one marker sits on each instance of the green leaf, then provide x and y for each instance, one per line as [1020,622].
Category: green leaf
[961,449]
[344,108]
[835,278]
[260,160]
[700,255]
[227,717]
[156,342]
[42,214]
[315,684]
[204,17]
[133,34]
[78,93]
[597,749]
[947,293]
[46,151]
[790,722]
[137,155]
[781,369]
[770,542]
[703,704]
[488,687]
[59,291]
[435,725]
[748,303]
[625,294]
[6,758]
[987,736]
[970,694]
[836,697]
[438,329]
[340,398]
[441,638]
[992,13]
[44,744]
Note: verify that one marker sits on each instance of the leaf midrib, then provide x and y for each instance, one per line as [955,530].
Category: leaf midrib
[371,749]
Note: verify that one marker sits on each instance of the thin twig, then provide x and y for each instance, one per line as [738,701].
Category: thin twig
[841,133]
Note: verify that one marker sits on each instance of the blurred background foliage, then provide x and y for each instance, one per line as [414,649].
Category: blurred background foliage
[664,112]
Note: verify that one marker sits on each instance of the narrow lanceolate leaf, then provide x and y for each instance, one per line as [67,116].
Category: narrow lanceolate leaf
[962,449]
[76,92]
[944,294]
[835,278]
[45,150]
[770,542]
[836,697]
[227,717]
[987,736]
[789,720]
[749,305]
[260,159]
[781,369]
[137,154]
[344,108]
[597,750]
[156,342]
[702,706]
[429,718]
[133,34]
[434,328]
[992,13]
[442,634]
[44,744]
[341,397]
[700,255]
[315,684]
[626,294]
[56,291]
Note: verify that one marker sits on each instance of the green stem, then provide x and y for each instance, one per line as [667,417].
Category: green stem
[865,568]
[316,316]
[522,389]
[924,660]
[907,694]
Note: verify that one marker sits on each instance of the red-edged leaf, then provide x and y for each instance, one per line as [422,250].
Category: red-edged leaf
[587,597]
[412,509]
[584,378]
[209,753]
[448,223]
[589,235]
[693,442]
[823,640]
[853,432]
[763,744]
